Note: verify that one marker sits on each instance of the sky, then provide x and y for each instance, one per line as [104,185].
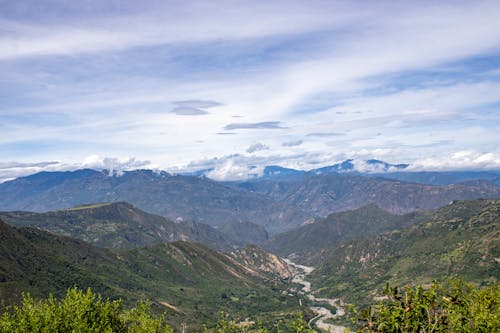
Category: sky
[234,85]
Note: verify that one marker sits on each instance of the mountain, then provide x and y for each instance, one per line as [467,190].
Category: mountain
[368,166]
[443,177]
[306,243]
[119,226]
[277,172]
[175,197]
[461,239]
[189,281]
[243,233]
[327,193]
[263,261]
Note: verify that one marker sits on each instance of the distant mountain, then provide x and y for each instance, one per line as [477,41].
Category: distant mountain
[368,166]
[443,177]
[461,239]
[243,233]
[189,281]
[175,197]
[306,243]
[119,226]
[326,193]
[277,172]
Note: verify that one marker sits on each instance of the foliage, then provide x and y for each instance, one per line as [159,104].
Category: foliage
[452,307]
[461,239]
[297,325]
[80,311]
[197,281]
[88,312]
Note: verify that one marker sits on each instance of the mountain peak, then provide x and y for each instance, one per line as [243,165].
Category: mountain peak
[360,166]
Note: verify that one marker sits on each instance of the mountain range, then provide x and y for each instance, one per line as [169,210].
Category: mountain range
[280,202]
[373,168]
[327,193]
[178,198]
[123,226]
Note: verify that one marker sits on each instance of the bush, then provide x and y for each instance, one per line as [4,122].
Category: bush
[79,311]
[454,307]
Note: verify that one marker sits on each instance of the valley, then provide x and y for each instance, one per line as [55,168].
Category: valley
[322,314]
[259,251]
[249,166]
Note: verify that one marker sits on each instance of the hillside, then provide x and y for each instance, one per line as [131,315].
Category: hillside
[461,239]
[190,281]
[327,193]
[175,197]
[305,243]
[117,225]
[243,233]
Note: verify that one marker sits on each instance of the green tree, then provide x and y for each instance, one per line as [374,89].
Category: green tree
[452,307]
[79,311]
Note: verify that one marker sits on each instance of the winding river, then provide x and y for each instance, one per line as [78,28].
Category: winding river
[322,313]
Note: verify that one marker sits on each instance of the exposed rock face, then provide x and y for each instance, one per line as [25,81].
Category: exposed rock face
[263,262]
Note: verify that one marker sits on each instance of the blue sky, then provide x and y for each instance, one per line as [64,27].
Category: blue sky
[182,85]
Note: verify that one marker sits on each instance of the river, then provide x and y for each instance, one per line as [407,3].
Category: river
[322,313]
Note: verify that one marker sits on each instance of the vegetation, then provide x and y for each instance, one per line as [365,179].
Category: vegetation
[461,239]
[88,312]
[452,307]
[118,226]
[189,280]
[80,311]
[308,242]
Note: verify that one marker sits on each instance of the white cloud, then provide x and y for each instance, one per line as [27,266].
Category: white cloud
[257,147]
[265,62]
[231,171]
[292,143]
[196,21]
[12,170]
[460,160]
[113,164]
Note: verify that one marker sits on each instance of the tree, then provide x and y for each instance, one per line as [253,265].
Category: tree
[452,307]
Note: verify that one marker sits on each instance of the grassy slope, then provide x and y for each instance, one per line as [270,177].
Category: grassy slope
[309,241]
[196,280]
[117,225]
[460,239]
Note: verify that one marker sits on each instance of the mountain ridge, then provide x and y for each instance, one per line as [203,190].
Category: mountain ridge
[122,226]
[193,279]
[175,197]
[460,239]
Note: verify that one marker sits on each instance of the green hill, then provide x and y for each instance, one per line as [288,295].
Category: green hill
[117,225]
[461,239]
[190,281]
[308,243]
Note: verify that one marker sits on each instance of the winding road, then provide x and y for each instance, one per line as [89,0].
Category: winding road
[322,313]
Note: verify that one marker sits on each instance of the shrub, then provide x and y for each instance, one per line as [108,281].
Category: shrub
[79,311]
[453,307]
